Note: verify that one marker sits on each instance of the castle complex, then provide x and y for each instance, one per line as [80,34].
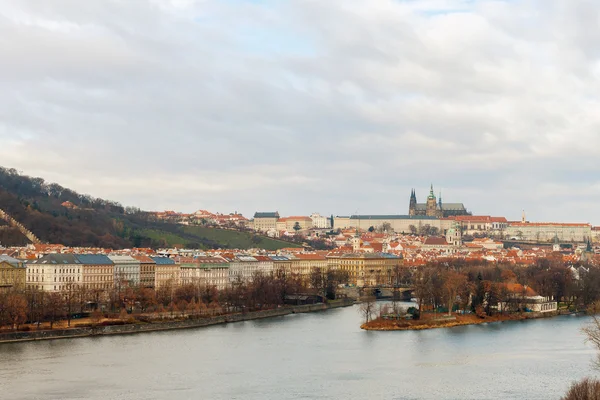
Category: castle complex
[434,207]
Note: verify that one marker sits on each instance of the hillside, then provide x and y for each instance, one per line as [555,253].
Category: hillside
[101,223]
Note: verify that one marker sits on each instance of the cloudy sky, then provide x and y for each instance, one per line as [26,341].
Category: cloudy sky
[332,106]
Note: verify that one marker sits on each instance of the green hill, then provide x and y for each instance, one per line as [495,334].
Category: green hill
[101,223]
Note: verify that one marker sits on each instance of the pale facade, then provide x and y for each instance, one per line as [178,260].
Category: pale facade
[166,272]
[399,223]
[209,271]
[54,272]
[320,222]
[264,221]
[481,224]
[126,271]
[547,231]
[288,223]
[244,268]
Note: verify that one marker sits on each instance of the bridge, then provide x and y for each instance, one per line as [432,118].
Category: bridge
[17,225]
[403,293]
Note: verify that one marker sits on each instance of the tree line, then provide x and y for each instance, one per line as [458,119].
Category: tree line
[262,291]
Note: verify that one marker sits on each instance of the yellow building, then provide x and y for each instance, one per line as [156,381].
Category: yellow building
[97,272]
[12,274]
[303,264]
[368,269]
[166,272]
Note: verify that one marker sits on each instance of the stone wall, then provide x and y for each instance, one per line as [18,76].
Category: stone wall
[162,326]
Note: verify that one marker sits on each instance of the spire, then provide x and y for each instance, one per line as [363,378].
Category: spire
[440,200]
[431,195]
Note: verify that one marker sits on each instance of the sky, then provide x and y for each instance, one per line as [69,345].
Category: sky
[301,106]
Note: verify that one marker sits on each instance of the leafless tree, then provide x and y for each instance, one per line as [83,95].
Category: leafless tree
[367,308]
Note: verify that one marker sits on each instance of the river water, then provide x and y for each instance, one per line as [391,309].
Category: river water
[306,356]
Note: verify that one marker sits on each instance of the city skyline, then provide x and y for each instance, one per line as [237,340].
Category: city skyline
[264,106]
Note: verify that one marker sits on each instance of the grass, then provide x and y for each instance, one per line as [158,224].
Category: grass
[237,240]
[206,238]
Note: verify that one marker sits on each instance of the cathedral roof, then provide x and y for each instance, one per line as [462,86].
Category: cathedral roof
[445,206]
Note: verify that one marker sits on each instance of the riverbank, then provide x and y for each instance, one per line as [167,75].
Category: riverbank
[431,321]
[12,337]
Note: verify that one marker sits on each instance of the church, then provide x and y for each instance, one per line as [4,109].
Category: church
[434,207]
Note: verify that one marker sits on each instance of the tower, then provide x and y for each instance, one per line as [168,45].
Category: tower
[412,207]
[431,204]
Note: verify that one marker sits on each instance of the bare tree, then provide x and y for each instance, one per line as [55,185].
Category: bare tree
[367,308]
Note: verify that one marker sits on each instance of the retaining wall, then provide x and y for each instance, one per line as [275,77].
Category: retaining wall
[162,326]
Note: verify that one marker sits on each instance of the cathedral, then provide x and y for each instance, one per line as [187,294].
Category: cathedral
[434,207]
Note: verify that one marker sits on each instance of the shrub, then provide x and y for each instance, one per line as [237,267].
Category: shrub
[587,389]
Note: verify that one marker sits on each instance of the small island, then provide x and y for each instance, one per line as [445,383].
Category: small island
[436,320]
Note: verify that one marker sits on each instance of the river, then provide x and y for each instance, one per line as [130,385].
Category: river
[321,355]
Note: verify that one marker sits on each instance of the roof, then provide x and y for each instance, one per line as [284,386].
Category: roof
[94,259]
[555,224]
[163,261]
[279,258]
[383,217]
[310,257]
[266,214]
[435,241]
[123,259]
[57,259]
[478,218]
[371,255]
[144,259]
[12,261]
[445,206]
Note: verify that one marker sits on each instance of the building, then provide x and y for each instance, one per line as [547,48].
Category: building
[294,223]
[244,268]
[13,274]
[166,272]
[417,224]
[97,271]
[147,271]
[54,272]
[481,224]
[368,269]
[264,221]
[434,207]
[206,271]
[126,271]
[321,222]
[524,298]
[303,264]
[547,231]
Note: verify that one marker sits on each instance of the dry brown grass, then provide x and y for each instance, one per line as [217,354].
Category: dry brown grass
[428,322]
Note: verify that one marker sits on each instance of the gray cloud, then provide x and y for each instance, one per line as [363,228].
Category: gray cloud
[304,106]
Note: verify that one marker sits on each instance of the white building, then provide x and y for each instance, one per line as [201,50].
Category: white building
[54,272]
[547,231]
[244,268]
[320,221]
[127,270]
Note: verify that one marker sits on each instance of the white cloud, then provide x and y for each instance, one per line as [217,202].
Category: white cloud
[302,106]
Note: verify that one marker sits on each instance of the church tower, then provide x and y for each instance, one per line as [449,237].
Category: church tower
[412,207]
[431,204]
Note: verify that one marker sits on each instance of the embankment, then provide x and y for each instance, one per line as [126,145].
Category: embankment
[165,325]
